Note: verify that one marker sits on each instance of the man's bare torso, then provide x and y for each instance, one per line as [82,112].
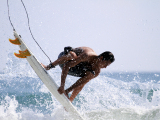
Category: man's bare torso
[85,51]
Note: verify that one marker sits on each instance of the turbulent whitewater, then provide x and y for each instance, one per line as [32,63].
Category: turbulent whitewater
[110,96]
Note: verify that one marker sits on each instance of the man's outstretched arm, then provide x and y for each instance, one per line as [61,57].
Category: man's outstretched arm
[77,87]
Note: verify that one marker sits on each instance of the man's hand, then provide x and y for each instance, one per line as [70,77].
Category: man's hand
[61,90]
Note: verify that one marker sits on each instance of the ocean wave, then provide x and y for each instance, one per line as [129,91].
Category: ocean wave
[24,96]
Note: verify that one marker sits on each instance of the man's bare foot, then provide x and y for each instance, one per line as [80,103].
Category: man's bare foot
[45,67]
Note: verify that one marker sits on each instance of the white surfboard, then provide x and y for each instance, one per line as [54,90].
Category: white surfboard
[47,80]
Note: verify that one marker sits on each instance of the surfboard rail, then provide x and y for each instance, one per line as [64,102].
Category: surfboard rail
[44,76]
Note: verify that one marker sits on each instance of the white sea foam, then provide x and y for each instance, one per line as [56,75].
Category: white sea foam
[25,97]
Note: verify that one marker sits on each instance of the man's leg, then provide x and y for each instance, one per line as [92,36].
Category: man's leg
[63,59]
[75,92]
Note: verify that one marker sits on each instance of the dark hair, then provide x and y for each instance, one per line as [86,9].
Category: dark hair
[107,56]
[67,49]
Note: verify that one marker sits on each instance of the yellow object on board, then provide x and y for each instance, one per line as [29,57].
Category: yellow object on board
[16,41]
[22,54]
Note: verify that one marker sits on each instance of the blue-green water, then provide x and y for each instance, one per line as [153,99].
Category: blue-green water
[110,96]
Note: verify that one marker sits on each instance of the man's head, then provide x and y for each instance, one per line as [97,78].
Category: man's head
[107,56]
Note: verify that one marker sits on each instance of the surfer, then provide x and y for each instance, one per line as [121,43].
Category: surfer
[82,62]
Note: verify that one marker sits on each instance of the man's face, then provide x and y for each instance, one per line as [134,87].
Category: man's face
[105,63]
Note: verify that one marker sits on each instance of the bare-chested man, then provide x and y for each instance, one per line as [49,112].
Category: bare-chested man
[82,62]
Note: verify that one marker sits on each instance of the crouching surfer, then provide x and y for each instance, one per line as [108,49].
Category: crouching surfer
[81,62]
